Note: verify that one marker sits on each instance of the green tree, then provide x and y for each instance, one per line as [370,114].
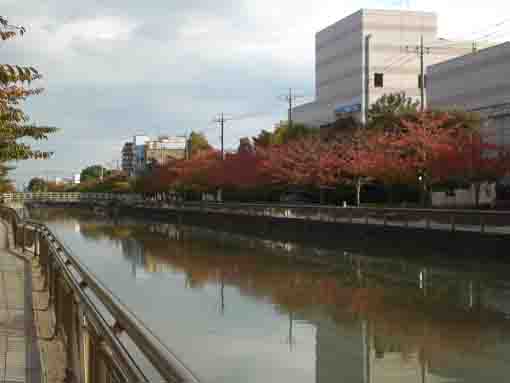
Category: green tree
[37,184]
[387,112]
[6,185]
[197,142]
[264,139]
[93,173]
[283,134]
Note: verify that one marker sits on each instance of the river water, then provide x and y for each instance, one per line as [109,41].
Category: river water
[241,309]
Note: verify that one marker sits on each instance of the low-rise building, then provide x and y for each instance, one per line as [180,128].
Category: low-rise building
[478,82]
[142,151]
[165,149]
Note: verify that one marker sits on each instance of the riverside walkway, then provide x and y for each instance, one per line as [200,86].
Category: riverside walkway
[59,323]
[19,351]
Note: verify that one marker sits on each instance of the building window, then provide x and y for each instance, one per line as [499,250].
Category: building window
[378,80]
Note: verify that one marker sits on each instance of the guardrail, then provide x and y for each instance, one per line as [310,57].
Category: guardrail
[90,319]
[50,196]
[481,221]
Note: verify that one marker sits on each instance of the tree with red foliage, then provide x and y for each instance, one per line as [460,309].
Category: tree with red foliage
[295,163]
[241,170]
[348,159]
[472,159]
[185,174]
[388,164]
[422,139]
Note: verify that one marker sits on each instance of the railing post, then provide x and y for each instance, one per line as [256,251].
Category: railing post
[452,222]
[23,238]
[482,224]
[85,350]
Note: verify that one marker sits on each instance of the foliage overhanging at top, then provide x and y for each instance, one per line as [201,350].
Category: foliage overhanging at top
[15,88]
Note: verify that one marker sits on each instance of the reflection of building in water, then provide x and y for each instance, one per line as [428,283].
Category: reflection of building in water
[155,264]
[339,352]
[352,350]
[133,250]
[142,260]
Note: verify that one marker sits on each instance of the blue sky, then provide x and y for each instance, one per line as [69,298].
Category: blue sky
[168,67]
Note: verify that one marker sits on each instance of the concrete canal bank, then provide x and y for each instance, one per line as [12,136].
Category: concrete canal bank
[458,233]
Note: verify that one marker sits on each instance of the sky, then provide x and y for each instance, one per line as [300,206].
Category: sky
[116,68]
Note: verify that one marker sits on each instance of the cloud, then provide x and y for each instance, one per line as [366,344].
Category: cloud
[116,68]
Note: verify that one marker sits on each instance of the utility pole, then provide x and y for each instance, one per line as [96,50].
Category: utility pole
[421,50]
[221,120]
[222,124]
[290,98]
[422,74]
[367,78]
[290,108]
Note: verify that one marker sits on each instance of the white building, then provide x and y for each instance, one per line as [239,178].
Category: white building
[139,142]
[476,82]
[341,61]
[137,154]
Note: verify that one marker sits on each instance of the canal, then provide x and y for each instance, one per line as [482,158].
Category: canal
[242,309]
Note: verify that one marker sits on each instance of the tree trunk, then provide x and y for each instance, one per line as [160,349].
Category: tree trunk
[390,194]
[424,194]
[477,186]
[358,192]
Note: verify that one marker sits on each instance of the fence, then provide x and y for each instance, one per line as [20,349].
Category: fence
[71,197]
[93,324]
[481,221]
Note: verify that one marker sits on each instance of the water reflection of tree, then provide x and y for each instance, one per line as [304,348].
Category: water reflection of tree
[446,315]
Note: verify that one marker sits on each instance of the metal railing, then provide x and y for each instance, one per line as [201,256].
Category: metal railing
[95,327]
[71,197]
[480,221]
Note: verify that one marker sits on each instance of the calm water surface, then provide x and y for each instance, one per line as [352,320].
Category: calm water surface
[239,309]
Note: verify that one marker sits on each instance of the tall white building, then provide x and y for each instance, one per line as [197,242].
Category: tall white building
[341,61]
[139,142]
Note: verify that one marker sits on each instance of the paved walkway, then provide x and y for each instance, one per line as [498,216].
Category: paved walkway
[19,356]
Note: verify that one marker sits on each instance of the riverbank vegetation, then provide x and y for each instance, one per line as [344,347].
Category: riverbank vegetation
[401,154]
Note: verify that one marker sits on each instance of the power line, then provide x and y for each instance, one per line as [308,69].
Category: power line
[484,30]
[397,64]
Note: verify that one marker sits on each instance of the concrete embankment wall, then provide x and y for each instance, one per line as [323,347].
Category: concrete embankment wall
[326,234]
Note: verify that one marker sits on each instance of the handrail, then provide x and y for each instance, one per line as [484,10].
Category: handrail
[482,221]
[335,207]
[454,220]
[65,272]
